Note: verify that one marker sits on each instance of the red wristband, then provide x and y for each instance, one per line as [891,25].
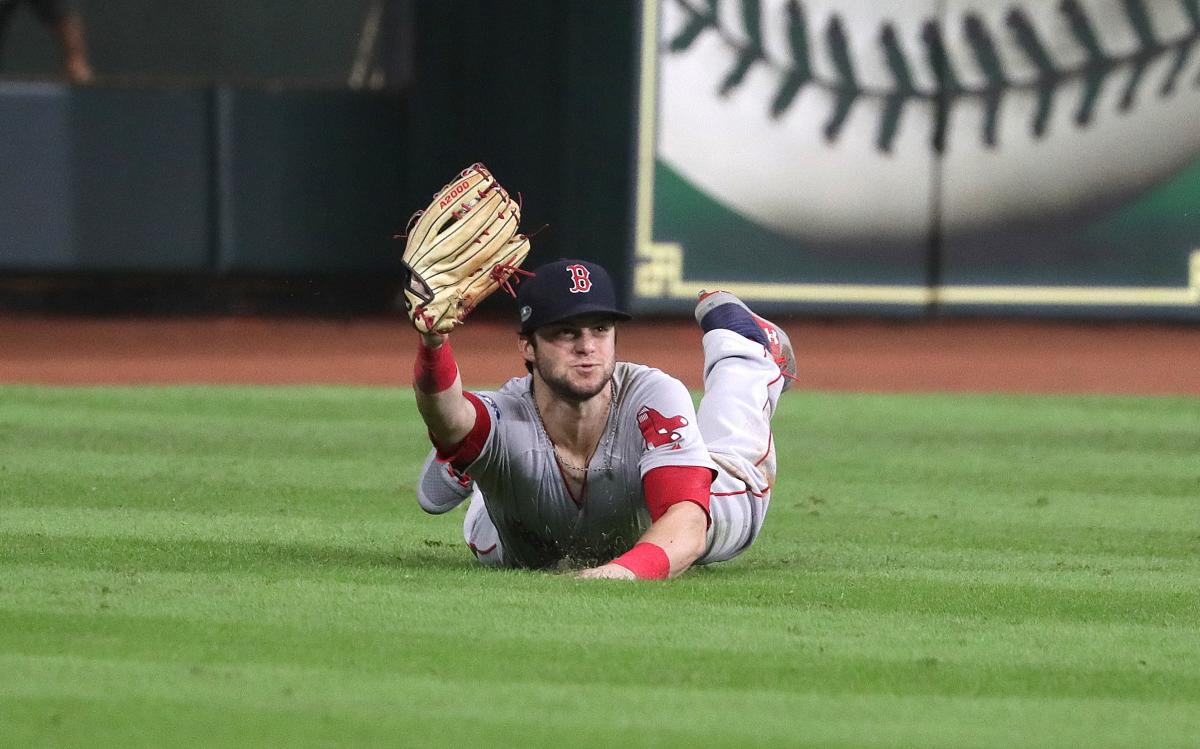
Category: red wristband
[646,562]
[435,368]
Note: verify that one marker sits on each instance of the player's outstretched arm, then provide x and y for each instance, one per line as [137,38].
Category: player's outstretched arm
[438,386]
[667,549]
[459,249]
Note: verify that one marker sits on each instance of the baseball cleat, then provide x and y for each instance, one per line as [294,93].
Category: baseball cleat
[722,310]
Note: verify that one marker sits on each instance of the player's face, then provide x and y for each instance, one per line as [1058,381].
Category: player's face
[576,357]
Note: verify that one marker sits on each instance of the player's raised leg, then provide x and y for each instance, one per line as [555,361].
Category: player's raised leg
[748,363]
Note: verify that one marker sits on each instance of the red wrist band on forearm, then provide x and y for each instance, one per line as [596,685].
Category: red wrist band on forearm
[435,368]
[646,562]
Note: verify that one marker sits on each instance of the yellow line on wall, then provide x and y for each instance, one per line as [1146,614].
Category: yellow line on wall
[647,115]
[660,275]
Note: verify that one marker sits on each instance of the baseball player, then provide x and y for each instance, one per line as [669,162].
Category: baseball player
[591,463]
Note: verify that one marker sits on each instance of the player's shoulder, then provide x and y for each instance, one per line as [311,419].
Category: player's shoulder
[633,377]
[517,387]
[511,399]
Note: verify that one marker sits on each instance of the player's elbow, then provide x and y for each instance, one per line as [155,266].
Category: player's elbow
[432,506]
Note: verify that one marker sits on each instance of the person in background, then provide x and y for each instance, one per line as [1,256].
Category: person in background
[67,25]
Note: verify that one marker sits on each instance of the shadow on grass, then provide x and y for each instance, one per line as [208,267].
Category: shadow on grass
[252,557]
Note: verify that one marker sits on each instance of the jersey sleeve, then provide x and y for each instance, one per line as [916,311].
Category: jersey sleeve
[670,485]
[498,420]
[666,422]
[468,449]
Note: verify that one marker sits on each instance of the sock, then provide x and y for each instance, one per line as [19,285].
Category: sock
[734,317]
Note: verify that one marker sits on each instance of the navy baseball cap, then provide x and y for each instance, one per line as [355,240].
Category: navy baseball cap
[565,288]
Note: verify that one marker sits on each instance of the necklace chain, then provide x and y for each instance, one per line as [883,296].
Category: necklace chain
[612,406]
[568,464]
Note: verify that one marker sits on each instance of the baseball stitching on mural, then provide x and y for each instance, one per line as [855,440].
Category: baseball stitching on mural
[743,33]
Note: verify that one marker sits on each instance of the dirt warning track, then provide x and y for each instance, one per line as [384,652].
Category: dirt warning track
[855,355]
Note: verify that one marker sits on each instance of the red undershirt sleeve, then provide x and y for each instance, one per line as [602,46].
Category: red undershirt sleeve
[669,485]
[465,452]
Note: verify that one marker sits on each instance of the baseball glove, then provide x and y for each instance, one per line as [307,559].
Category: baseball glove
[460,249]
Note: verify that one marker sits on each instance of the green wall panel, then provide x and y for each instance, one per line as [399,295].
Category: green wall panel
[37,225]
[309,181]
[549,111]
[104,179]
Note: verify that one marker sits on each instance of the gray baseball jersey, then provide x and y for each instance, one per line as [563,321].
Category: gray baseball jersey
[652,424]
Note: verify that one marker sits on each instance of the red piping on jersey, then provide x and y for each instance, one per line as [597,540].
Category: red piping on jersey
[669,485]
[465,452]
[479,551]
[748,490]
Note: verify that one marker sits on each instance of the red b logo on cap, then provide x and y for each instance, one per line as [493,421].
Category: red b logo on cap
[581,279]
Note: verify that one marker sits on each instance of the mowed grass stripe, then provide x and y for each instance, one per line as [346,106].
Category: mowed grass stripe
[416,617]
[440,588]
[1124,595]
[880,592]
[265,547]
[402,708]
[890,546]
[778,660]
[819,619]
[145,476]
[382,595]
[808,721]
[813,543]
[936,571]
[166,525]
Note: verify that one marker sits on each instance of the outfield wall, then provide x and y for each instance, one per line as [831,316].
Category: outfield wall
[1077,198]
[197,180]
[303,174]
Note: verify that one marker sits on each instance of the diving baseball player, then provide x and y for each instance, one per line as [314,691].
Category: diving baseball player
[591,463]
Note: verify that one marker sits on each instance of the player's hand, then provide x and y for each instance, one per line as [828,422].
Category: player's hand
[608,571]
[460,249]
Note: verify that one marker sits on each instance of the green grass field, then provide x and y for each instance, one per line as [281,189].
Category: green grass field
[248,567]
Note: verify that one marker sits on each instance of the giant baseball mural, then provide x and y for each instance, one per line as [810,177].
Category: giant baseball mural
[849,154]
